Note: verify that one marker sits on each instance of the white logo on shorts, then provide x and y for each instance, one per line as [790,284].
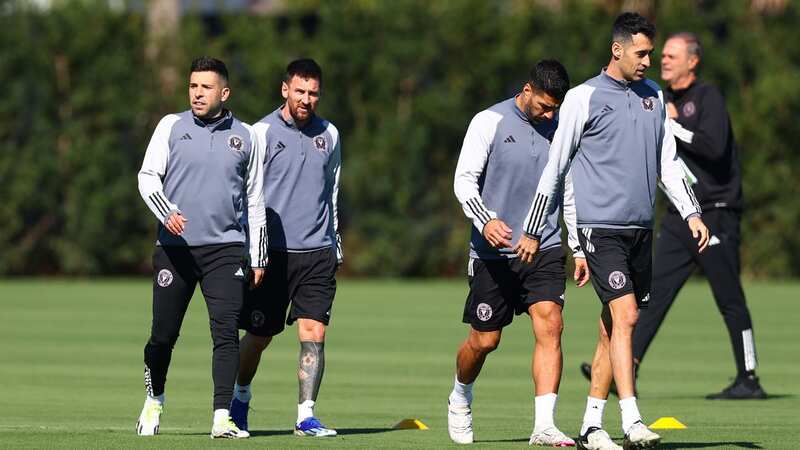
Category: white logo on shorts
[617,279]
[257,318]
[484,312]
[646,298]
[164,278]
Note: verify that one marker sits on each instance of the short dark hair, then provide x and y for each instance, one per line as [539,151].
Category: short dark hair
[692,43]
[304,68]
[208,64]
[549,76]
[629,23]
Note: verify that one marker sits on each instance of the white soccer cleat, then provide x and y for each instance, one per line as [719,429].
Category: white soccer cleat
[551,437]
[150,418]
[226,429]
[597,439]
[459,423]
[640,437]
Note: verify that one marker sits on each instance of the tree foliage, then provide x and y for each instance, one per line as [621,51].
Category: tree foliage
[402,79]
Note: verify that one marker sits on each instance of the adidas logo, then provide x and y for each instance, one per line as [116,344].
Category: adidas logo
[279,146]
[714,241]
[606,109]
[510,139]
[186,137]
[239,273]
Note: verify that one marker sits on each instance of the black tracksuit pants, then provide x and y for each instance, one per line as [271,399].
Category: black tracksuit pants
[177,270]
[675,258]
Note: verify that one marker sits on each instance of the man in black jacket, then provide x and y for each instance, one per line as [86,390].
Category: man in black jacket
[706,145]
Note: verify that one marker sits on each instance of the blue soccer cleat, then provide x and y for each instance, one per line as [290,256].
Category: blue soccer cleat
[239,413]
[313,427]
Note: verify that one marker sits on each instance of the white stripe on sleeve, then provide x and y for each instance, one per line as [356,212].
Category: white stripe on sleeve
[471,162]
[154,167]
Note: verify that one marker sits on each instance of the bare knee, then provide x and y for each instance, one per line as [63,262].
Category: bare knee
[309,330]
[484,342]
[547,322]
[252,343]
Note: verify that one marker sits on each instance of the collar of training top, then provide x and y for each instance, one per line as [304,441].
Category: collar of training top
[613,82]
[290,121]
[519,113]
[222,122]
[678,93]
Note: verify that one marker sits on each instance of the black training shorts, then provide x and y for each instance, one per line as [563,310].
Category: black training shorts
[502,288]
[620,262]
[306,280]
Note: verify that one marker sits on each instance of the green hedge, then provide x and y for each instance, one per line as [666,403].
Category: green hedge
[402,80]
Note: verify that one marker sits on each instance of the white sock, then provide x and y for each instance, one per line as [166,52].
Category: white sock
[544,408]
[462,393]
[630,413]
[156,399]
[305,410]
[242,393]
[221,415]
[593,417]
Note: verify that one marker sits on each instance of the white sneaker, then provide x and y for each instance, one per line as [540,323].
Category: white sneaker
[150,418]
[551,437]
[597,439]
[226,429]
[640,437]
[459,423]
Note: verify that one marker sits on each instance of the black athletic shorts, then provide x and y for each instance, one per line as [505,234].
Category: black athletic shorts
[306,280]
[620,262]
[502,288]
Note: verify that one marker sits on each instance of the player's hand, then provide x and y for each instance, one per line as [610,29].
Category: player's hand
[497,233]
[672,111]
[526,248]
[176,223]
[257,275]
[581,272]
[699,232]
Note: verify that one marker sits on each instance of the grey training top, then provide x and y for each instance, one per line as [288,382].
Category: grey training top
[301,182]
[209,173]
[618,138]
[499,167]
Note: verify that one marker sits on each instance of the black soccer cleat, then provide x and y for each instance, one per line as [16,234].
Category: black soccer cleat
[742,388]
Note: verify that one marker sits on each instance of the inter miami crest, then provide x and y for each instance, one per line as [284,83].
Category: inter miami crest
[320,143]
[235,143]
[689,109]
[648,103]
[164,278]
[484,312]
[617,280]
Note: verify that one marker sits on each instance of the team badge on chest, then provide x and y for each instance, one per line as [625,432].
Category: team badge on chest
[688,109]
[235,143]
[648,103]
[320,143]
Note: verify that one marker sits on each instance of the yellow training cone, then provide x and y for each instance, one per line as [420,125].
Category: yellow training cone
[668,423]
[410,424]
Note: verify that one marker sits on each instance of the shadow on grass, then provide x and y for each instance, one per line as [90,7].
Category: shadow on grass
[737,444]
[503,440]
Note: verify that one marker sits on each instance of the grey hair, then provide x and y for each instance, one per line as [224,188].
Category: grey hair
[693,46]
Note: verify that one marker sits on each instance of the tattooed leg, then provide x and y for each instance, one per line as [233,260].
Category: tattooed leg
[310,369]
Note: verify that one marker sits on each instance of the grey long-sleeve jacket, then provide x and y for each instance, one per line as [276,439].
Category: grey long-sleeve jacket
[501,160]
[618,141]
[211,174]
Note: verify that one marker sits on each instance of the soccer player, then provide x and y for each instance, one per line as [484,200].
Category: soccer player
[301,184]
[615,134]
[705,143]
[504,153]
[201,177]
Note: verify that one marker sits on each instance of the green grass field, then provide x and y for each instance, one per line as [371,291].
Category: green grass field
[72,370]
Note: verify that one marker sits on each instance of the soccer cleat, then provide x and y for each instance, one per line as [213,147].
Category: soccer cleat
[551,437]
[459,423]
[150,418]
[313,427]
[596,439]
[586,370]
[640,437]
[747,388]
[226,429]
[239,413]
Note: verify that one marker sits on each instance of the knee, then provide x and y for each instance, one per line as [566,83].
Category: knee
[255,343]
[550,323]
[485,343]
[626,318]
[310,330]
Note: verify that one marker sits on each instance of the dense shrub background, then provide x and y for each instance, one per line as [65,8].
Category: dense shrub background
[402,80]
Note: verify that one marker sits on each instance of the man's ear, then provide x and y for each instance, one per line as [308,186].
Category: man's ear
[617,49]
